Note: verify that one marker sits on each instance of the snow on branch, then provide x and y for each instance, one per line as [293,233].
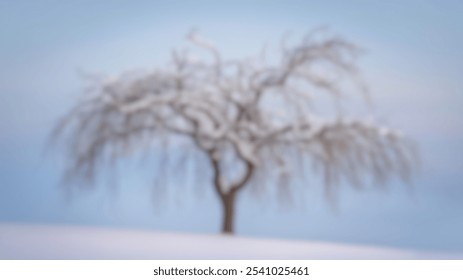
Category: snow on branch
[248,108]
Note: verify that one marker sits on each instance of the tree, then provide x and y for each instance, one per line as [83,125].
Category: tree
[257,114]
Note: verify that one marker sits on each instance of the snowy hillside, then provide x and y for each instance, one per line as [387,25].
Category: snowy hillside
[73,242]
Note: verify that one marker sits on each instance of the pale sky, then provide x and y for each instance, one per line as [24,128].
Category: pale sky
[413,64]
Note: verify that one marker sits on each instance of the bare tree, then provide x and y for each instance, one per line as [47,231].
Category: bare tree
[257,114]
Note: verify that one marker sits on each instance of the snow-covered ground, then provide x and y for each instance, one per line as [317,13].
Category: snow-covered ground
[24,241]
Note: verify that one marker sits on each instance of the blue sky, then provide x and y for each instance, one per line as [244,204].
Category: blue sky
[413,64]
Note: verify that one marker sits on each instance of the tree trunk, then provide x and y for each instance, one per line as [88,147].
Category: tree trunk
[228,198]
[228,203]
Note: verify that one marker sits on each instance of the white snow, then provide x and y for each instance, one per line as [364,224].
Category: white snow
[27,241]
